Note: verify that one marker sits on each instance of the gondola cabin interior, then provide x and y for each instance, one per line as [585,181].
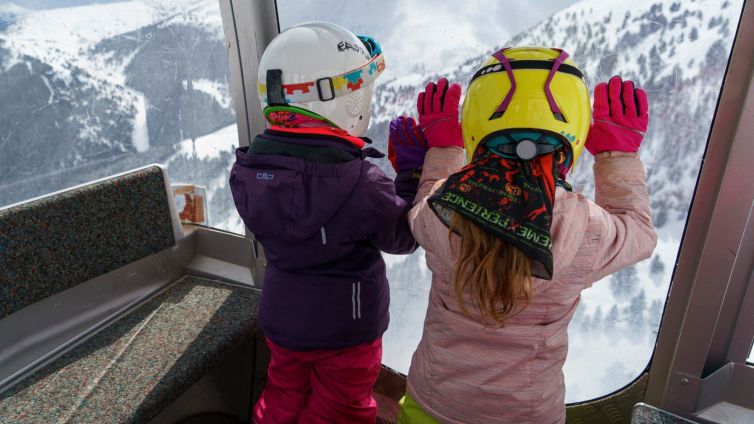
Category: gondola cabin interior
[129,286]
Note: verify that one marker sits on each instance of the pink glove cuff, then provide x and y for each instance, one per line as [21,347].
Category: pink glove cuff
[444,133]
[612,138]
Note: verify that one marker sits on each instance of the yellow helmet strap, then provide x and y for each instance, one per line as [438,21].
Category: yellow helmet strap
[556,112]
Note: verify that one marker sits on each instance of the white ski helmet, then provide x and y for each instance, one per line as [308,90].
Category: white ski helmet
[323,69]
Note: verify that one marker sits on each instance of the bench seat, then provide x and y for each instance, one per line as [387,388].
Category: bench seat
[134,368]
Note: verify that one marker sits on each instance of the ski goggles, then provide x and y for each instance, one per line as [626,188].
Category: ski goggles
[373,47]
[327,88]
[526,144]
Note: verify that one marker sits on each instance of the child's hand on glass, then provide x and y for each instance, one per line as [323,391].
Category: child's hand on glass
[438,114]
[621,117]
[406,144]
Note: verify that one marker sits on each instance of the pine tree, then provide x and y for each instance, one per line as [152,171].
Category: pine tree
[656,63]
[596,324]
[580,320]
[624,283]
[657,267]
[635,314]
[694,34]
[654,317]
[611,322]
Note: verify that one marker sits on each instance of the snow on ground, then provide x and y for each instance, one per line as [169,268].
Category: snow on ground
[410,281]
[204,153]
[592,375]
[60,37]
[201,13]
[218,91]
[655,285]
[140,133]
[211,145]
[64,38]
[393,260]
[11,9]
[233,224]
[690,22]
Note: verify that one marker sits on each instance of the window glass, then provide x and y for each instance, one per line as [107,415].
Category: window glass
[677,50]
[751,356]
[94,88]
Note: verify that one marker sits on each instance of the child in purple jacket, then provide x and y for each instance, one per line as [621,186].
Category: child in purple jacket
[323,215]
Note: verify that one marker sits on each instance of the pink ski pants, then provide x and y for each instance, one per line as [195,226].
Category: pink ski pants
[322,386]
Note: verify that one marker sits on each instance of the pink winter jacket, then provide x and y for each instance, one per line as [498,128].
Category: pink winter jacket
[463,372]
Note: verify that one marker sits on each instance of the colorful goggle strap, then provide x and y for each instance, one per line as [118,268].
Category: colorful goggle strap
[324,89]
[500,55]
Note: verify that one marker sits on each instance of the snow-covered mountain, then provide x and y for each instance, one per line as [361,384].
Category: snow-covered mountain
[94,90]
[9,12]
[102,88]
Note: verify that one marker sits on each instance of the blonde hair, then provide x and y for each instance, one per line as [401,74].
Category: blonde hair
[496,274]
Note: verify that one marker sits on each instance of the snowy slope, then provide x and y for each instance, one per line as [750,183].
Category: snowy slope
[11,10]
[121,83]
[65,39]
[60,37]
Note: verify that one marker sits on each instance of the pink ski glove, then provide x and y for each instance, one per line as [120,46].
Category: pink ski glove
[621,116]
[438,114]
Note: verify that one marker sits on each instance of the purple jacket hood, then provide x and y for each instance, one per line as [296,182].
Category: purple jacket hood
[296,200]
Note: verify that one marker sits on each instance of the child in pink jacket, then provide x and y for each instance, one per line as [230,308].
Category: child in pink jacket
[509,245]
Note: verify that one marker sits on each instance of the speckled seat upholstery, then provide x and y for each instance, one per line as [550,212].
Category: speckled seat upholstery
[140,364]
[56,242]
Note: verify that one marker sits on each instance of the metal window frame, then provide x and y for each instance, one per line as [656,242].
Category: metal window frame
[699,358]
[249,27]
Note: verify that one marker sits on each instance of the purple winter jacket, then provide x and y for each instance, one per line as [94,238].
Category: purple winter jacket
[322,214]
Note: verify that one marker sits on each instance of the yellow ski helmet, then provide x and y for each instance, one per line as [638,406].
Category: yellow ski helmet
[526,101]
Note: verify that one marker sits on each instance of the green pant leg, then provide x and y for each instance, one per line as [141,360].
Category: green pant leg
[410,412]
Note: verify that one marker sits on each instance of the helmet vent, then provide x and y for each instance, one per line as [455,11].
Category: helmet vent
[354,101]
[496,115]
